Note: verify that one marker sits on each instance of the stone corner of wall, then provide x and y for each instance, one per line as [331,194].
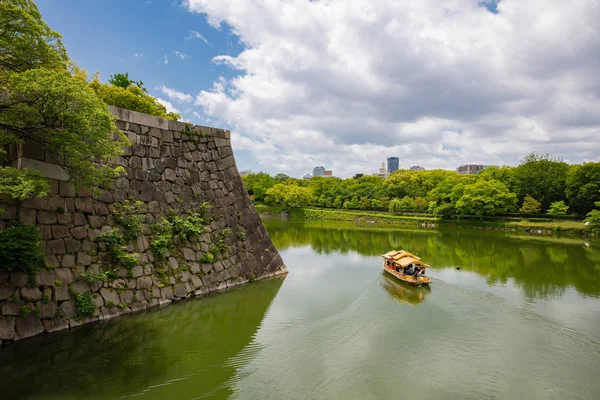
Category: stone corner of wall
[139,118]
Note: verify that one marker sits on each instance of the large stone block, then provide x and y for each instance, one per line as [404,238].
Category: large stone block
[28,327]
[7,328]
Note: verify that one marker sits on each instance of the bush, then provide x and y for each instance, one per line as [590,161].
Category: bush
[20,248]
[558,208]
[207,258]
[85,306]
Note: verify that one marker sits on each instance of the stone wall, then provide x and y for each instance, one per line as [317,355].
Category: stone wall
[172,168]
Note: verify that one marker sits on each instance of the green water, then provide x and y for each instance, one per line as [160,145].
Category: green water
[520,319]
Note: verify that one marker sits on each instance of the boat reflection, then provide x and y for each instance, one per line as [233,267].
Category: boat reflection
[404,293]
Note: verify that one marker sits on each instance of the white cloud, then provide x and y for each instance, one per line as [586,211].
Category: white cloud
[436,82]
[176,95]
[138,55]
[168,105]
[166,60]
[181,55]
[196,35]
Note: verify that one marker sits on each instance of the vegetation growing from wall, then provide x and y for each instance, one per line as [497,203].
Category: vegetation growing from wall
[130,215]
[84,305]
[20,248]
[175,229]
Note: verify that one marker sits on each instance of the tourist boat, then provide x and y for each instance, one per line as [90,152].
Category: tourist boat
[397,262]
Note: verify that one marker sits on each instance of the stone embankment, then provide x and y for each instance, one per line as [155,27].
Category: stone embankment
[172,170]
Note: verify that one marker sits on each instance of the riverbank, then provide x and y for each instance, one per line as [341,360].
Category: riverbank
[527,226]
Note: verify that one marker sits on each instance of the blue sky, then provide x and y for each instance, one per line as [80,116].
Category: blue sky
[347,83]
[106,35]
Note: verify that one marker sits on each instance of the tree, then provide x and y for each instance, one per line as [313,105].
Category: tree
[583,187]
[420,204]
[297,196]
[407,203]
[541,176]
[27,42]
[132,97]
[356,176]
[395,205]
[276,194]
[486,198]
[593,217]
[558,208]
[123,81]
[47,104]
[530,206]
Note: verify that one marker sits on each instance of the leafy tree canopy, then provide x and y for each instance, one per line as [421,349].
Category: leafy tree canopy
[583,186]
[47,103]
[558,208]
[541,176]
[530,206]
[132,97]
[486,198]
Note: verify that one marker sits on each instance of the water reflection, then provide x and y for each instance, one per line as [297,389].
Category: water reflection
[403,293]
[541,267]
[182,349]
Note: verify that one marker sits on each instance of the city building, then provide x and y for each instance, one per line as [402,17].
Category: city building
[471,169]
[319,171]
[328,173]
[245,172]
[307,176]
[417,168]
[393,163]
[383,173]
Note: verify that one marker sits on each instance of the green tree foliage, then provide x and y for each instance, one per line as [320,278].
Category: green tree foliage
[420,204]
[583,187]
[541,176]
[395,205]
[44,102]
[132,97]
[258,184]
[291,195]
[437,191]
[593,217]
[26,41]
[486,198]
[530,206]
[20,248]
[21,185]
[558,208]
[123,81]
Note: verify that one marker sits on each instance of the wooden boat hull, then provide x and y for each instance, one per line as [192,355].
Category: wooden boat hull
[408,279]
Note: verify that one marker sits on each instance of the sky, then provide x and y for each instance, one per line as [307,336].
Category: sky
[346,83]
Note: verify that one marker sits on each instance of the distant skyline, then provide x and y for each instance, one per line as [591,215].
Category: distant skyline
[344,83]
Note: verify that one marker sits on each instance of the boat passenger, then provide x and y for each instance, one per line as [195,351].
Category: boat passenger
[410,270]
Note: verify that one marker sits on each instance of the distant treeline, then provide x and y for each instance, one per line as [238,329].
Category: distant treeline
[540,184]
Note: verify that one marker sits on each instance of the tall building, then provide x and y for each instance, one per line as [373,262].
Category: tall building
[319,171]
[382,171]
[417,168]
[328,173]
[471,169]
[393,163]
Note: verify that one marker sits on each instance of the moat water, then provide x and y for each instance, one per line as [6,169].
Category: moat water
[520,319]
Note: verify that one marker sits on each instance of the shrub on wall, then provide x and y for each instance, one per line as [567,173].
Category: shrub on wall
[20,248]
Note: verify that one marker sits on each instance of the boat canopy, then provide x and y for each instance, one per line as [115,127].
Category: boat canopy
[404,258]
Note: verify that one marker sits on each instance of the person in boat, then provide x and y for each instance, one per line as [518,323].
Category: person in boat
[410,270]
